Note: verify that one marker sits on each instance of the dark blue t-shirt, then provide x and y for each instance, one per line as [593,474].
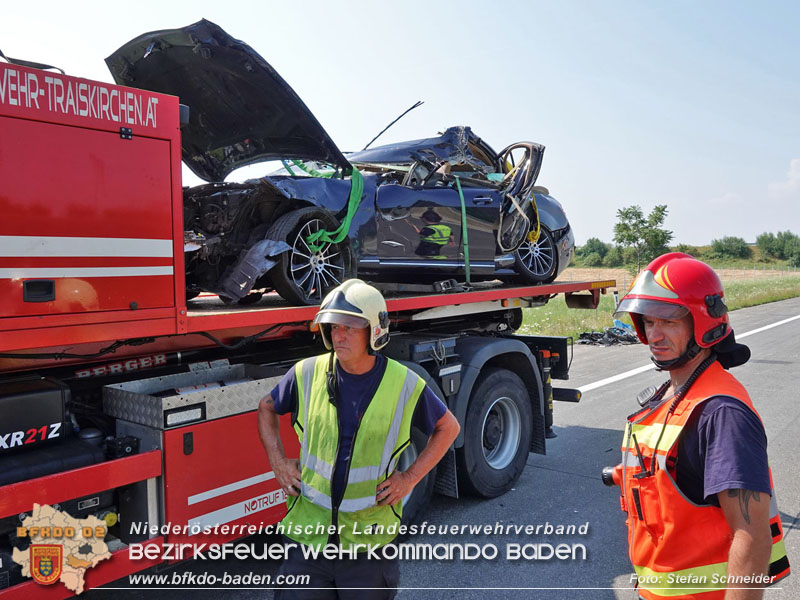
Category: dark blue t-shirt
[355,392]
[723,446]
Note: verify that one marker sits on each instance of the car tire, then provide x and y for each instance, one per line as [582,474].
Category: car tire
[251,298]
[497,434]
[415,503]
[537,262]
[304,277]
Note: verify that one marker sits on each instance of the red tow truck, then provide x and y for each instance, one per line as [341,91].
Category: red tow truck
[120,399]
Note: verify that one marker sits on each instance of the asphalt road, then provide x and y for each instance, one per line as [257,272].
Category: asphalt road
[564,487]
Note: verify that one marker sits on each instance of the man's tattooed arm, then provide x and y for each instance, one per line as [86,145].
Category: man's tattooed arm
[744,501]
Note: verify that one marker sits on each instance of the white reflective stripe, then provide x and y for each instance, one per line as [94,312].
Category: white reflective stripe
[362,474]
[315,496]
[37,246]
[319,466]
[61,273]
[236,511]
[629,459]
[394,431]
[393,462]
[231,487]
[357,504]
[307,373]
[773,505]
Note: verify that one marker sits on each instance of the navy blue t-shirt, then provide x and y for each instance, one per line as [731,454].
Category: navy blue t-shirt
[355,392]
[723,446]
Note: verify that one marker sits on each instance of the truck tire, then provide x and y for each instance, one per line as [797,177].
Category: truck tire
[415,503]
[301,276]
[497,434]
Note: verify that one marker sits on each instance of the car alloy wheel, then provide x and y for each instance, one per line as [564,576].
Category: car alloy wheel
[315,268]
[307,272]
[537,261]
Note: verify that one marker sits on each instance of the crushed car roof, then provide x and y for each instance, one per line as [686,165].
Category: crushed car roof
[241,109]
[453,145]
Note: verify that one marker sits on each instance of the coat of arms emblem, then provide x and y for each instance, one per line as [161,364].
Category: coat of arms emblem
[46,561]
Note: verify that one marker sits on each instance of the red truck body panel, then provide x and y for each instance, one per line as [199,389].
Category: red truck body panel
[92,198]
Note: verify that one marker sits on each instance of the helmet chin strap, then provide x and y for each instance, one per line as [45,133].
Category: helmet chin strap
[692,350]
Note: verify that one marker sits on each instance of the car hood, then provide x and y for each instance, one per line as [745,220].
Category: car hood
[241,110]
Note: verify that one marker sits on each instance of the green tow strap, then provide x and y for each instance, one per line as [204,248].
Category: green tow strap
[318,239]
[464,232]
[303,166]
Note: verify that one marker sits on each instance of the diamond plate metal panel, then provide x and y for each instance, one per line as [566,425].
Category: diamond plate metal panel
[138,402]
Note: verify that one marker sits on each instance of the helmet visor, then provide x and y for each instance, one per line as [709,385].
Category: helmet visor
[651,308]
[337,318]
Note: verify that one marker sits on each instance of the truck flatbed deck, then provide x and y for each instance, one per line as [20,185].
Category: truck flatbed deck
[208,313]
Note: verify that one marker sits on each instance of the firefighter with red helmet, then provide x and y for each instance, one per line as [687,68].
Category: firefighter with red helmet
[695,484]
[352,410]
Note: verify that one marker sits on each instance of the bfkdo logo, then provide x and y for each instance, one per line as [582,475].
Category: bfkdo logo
[46,562]
[62,547]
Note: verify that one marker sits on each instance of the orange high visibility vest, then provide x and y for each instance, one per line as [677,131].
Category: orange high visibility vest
[679,549]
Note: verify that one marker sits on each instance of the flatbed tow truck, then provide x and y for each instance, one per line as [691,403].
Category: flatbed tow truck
[122,400]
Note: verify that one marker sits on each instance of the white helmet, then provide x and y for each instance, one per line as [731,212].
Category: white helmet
[354,304]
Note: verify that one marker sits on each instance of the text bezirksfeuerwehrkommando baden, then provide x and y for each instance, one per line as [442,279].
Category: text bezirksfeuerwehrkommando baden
[405,551]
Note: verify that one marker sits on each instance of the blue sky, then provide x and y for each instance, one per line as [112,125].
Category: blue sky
[691,104]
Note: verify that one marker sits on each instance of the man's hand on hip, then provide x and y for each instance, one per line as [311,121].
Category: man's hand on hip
[287,472]
[395,488]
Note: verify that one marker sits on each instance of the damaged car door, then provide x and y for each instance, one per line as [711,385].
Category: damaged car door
[421,226]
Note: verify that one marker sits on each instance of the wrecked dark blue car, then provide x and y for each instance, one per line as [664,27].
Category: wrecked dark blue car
[422,211]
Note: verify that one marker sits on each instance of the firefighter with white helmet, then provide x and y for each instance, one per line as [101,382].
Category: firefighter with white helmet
[354,304]
[694,478]
[352,410]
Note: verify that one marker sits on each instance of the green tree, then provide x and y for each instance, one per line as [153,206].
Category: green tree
[613,257]
[731,247]
[786,242]
[687,249]
[594,245]
[791,250]
[645,235]
[593,260]
[767,244]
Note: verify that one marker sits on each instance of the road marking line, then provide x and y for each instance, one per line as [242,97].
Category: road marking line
[615,378]
[760,329]
[632,372]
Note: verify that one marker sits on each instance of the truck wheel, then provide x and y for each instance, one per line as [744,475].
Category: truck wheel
[537,262]
[304,276]
[418,499]
[497,434]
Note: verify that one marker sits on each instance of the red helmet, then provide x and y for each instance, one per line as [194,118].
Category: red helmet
[673,285]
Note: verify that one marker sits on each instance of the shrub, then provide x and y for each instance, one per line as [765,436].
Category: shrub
[594,245]
[767,243]
[613,257]
[593,260]
[731,247]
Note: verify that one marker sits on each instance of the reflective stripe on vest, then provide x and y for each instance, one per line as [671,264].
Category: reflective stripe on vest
[383,432]
[679,549]
[440,236]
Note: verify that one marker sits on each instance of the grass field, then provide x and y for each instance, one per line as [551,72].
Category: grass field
[556,319]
